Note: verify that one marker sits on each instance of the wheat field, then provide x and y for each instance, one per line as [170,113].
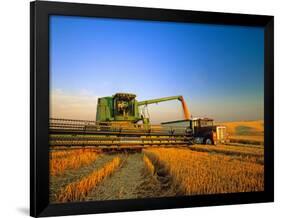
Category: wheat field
[204,173]
[77,191]
[64,160]
[251,132]
[85,174]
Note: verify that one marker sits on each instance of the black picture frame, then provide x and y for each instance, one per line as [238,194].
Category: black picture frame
[39,107]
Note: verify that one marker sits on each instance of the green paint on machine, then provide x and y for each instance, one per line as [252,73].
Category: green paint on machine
[123,107]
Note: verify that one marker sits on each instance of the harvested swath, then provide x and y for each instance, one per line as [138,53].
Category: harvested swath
[156,181]
[124,183]
[61,154]
[75,160]
[149,166]
[79,190]
[231,150]
[249,140]
[204,173]
[72,175]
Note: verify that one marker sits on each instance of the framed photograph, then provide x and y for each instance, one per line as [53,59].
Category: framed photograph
[144,108]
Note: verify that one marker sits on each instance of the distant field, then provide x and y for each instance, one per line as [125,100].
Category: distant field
[251,132]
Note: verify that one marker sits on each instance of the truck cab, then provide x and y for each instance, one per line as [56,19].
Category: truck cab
[205,132]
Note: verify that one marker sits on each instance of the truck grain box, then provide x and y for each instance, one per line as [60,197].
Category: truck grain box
[203,130]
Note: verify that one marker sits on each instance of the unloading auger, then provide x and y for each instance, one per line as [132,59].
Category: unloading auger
[123,107]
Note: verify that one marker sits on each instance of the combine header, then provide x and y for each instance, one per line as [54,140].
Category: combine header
[121,121]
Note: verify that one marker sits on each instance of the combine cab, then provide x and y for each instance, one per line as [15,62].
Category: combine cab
[121,108]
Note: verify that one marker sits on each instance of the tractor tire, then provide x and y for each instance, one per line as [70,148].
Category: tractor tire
[208,141]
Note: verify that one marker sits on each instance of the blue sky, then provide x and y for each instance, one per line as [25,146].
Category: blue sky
[217,68]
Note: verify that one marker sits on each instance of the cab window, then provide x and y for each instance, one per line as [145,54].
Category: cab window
[205,123]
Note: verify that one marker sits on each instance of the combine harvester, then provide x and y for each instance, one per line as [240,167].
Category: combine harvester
[123,123]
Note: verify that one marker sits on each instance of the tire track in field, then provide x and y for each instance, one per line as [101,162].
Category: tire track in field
[133,181]
[124,183]
[253,155]
[158,184]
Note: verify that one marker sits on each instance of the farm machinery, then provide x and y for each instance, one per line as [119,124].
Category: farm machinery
[124,108]
[124,122]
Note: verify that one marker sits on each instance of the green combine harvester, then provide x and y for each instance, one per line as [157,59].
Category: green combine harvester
[124,108]
[123,122]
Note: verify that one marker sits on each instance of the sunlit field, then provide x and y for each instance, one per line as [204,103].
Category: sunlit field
[86,175]
[78,190]
[247,132]
[63,160]
[206,173]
